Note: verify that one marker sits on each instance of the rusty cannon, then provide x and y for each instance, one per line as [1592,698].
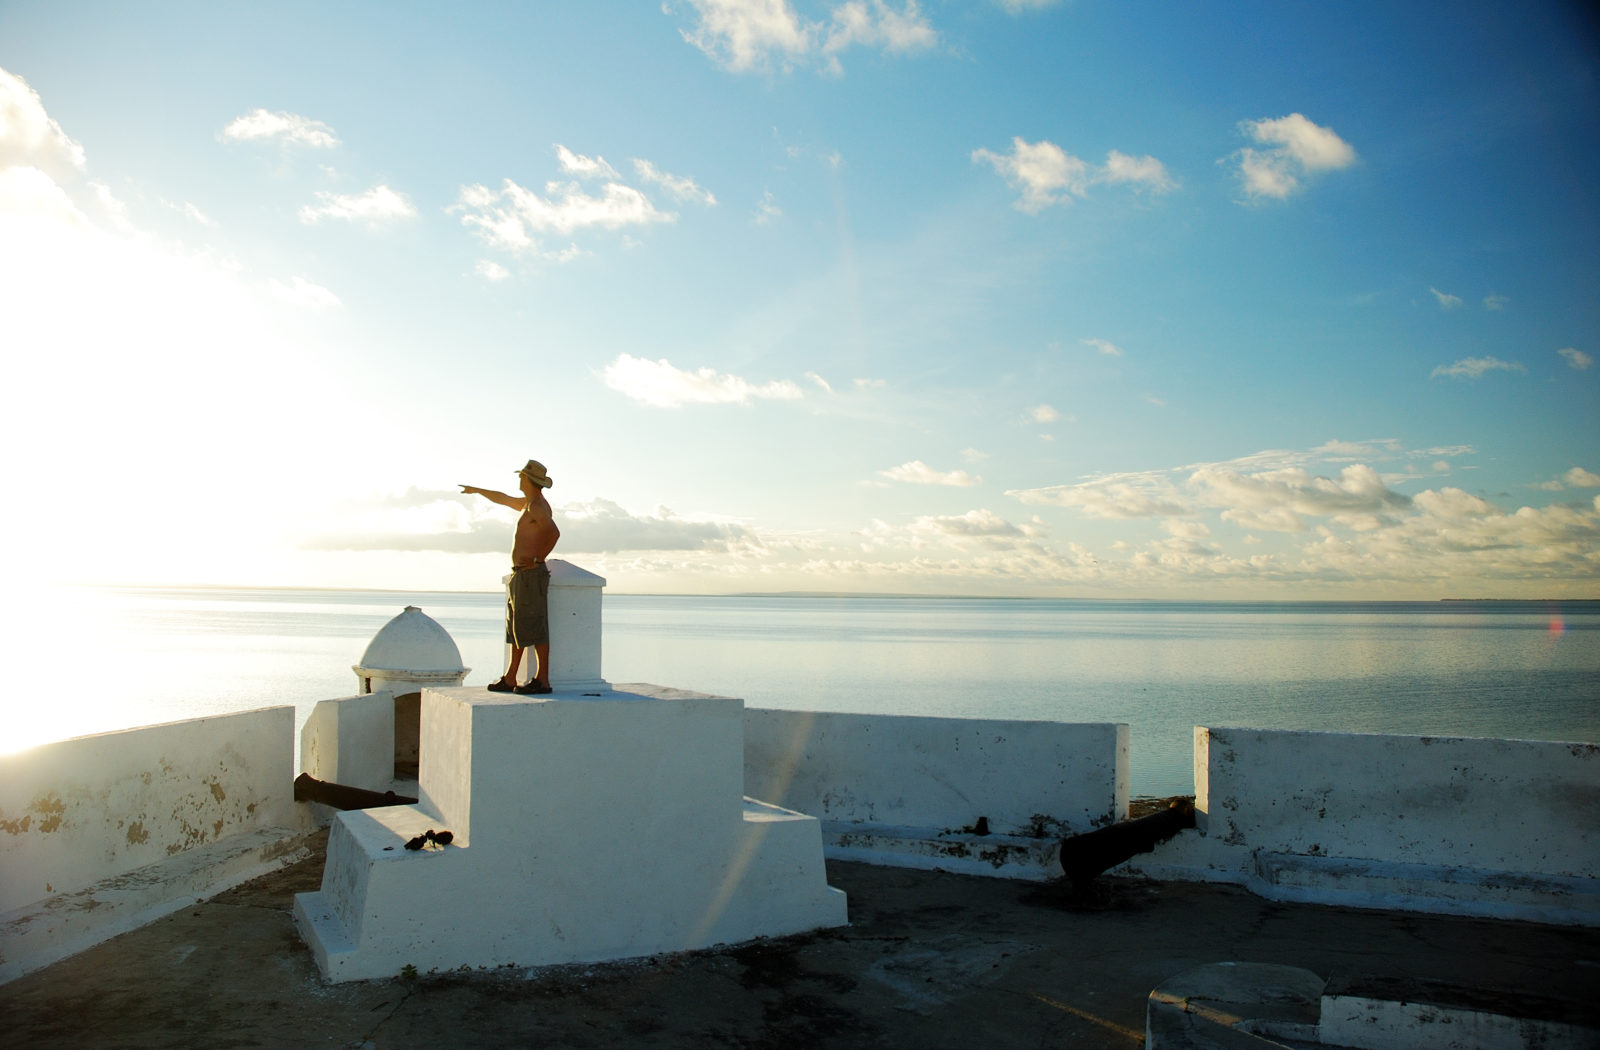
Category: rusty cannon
[1085,856]
[340,796]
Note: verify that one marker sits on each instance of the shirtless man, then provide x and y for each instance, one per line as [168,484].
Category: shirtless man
[527,595]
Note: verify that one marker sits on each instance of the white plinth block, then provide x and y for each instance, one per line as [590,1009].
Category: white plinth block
[575,598]
[584,829]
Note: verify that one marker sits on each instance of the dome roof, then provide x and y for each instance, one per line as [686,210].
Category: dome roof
[412,641]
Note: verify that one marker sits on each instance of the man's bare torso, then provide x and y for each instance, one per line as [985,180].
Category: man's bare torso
[536,532]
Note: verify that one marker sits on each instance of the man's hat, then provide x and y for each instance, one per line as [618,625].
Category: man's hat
[535,472]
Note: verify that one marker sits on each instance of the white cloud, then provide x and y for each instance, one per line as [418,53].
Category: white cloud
[1148,495]
[1142,172]
[601,526]
[508,218]
[1495,302]
[1295,148]
[490,270]
[375,207]
[1017,7]
[748,35]
[681,187]
[1475,368]
[875,24]
[1281,500]
[304,294]
[660,383]
[1446,300]
[1109,349]
[743,35]
[1576,358]
[1046,174]
[288,128]
[767,209]
[583,167]
[1043,414]
[919,473]
[1579,478]
[29,137]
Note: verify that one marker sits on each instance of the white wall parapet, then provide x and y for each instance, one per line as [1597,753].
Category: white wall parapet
[102,834]
[1497,828]
[910,791]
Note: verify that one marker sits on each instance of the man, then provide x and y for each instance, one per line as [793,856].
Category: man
[527,595]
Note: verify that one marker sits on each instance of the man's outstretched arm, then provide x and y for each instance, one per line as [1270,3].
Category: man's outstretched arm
[514,502]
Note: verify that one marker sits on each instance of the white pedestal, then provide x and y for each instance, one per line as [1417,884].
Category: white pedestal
[575,597]
[585,829]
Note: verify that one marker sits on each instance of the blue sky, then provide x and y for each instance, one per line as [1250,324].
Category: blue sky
[1270,300]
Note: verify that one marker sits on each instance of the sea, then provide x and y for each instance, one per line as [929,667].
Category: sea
[124,657]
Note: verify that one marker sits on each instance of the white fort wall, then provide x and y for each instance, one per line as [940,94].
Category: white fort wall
[1499,828]
[911,791]
[101,834]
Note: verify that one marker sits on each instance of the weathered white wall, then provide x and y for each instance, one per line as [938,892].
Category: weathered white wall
[585,829]
[350,741]
[101,833]
[77,811]
[909,791]
[1473,826]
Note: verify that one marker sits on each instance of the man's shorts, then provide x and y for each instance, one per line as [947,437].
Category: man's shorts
[528,607]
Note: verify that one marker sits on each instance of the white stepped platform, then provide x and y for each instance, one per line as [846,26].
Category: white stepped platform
[585,828]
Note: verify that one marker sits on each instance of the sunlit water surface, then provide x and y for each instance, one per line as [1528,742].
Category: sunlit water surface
[102,659]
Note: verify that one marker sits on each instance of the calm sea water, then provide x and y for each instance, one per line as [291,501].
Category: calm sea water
[1528,670]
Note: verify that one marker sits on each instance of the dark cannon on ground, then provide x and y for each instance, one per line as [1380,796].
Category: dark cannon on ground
[340,796]
[1085,856]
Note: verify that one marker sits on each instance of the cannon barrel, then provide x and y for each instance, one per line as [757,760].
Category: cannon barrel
[1085,856]
[308,788]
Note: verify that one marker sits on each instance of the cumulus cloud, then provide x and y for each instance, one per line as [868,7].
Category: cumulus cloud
[1292,148]
[877,25]
[1281,500]
[508,218]
[29,137]
[661,384]
[373,208]
[679,187]
[514,218]
[490,270]
[1145,495]
[1109,349]
[919,473]
[1045,174]
[583,167]
[304,294]
[601,526]
[1043,414]
[1576,358]
[289,129]
[761,35]
[1475,368]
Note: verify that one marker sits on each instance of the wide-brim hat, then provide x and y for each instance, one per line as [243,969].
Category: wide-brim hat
[536,474]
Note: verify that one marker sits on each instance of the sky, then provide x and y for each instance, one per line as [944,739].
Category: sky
[1242,300]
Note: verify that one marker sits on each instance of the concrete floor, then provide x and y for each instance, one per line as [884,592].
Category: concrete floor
[929,960]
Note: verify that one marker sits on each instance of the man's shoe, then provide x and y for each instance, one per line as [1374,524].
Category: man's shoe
[532,689]
[502,686]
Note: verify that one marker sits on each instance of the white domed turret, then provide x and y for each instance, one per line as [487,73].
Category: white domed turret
[410,653]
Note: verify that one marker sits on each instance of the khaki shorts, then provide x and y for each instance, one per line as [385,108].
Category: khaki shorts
[528,607]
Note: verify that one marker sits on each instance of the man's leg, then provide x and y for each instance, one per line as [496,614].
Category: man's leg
[542,651]
[509,679]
